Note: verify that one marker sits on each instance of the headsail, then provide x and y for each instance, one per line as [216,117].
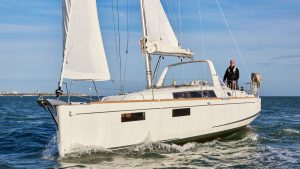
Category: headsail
[84,54]
[159,37]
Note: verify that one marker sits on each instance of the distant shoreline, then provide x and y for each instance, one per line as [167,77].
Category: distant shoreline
[48,94]
[25,95]
[37,95]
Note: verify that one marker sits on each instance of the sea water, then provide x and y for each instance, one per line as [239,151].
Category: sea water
[28,140]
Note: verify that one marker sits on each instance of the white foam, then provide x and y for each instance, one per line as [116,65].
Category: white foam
[162,147]
[291,131]
[78,150]
[252,136]
[50,151]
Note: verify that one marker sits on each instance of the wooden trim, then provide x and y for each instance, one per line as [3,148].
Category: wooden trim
[159,108]
[167,100]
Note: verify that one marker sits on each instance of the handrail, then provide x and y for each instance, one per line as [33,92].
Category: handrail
[214,75]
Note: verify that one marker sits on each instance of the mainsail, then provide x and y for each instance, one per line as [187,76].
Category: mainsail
[159,37]
[84,54]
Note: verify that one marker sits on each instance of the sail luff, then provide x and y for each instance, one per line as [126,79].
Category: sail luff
[143,18]
[65,18]
[83,50]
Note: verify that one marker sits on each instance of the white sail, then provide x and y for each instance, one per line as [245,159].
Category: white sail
[159,37]
[84,54]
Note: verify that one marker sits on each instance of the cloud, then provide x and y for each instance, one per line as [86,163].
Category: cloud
[274,60]
[17,28]
[285,57]
[265,63]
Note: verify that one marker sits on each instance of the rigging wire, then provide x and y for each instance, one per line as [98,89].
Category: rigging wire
[171,11]
[154,76]
[176,16]
[233,39]
[180,30]
[116,20]
[202,36]
[88,86]
[128,13]
[201,28]
[119,45]
[115,36]
[180,26]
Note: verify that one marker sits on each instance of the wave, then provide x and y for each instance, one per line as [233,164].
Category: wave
[290,131]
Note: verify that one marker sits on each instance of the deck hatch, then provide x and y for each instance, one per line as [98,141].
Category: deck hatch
[194,94]
[181,112]
[128,117]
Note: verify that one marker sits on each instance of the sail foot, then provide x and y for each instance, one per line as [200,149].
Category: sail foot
[160,48]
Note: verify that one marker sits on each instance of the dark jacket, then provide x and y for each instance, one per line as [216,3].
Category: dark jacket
[231,74]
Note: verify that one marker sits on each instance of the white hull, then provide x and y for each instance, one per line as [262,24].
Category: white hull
[99,124]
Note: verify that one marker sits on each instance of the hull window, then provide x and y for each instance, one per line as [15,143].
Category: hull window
[181,112]
[194,94]
[127,117]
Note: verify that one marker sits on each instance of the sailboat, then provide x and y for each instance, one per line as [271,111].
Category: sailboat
[159,113]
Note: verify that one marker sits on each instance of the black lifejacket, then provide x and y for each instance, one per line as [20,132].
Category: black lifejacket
[231,73]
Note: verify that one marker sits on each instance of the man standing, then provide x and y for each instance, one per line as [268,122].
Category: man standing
[232,76]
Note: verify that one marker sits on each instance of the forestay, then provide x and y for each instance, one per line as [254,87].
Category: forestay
[84,54]
[159,37]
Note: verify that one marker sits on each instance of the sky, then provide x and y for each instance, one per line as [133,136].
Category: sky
[266,31]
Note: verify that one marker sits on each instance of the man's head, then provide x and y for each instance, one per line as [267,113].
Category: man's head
[232,63]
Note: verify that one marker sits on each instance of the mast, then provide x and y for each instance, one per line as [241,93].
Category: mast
[146,54]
